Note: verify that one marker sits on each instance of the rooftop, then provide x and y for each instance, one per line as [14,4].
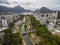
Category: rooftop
[2,28]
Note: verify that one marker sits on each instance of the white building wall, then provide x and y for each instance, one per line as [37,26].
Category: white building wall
[51,17]
[4,23]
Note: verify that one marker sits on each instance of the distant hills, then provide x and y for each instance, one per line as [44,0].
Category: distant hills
[19,9]
[44,10]
[16,9]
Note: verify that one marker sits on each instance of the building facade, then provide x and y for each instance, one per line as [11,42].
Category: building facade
[45,18]
[58,18]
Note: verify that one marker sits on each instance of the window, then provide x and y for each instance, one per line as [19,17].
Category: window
[42,15]
[47,15]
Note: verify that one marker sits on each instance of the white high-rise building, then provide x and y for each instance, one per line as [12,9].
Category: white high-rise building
[4,23]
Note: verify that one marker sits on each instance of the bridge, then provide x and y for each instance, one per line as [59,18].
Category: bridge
[27,32]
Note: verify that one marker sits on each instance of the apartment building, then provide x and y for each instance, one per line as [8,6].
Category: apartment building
[11,18]
[45,18]
[5,20]
[58,18]
[52,19]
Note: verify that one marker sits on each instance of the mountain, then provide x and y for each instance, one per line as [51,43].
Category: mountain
[16,9]
[5,9]
[44,10]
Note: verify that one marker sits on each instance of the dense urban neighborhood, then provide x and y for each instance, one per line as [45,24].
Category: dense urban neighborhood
[29,22]
[30,28]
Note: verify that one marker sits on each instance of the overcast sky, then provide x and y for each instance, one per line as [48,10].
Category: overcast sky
[32,4]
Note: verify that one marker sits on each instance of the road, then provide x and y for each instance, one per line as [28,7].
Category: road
[25,37]
[16,26]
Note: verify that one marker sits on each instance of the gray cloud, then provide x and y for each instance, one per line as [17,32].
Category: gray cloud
[32,4]
[3,1]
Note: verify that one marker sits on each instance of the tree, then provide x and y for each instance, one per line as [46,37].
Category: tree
[42,31]
[8,37]
[17,39]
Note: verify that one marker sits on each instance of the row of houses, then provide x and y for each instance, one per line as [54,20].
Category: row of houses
[49,19]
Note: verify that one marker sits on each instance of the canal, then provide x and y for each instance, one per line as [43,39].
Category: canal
[25,37]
